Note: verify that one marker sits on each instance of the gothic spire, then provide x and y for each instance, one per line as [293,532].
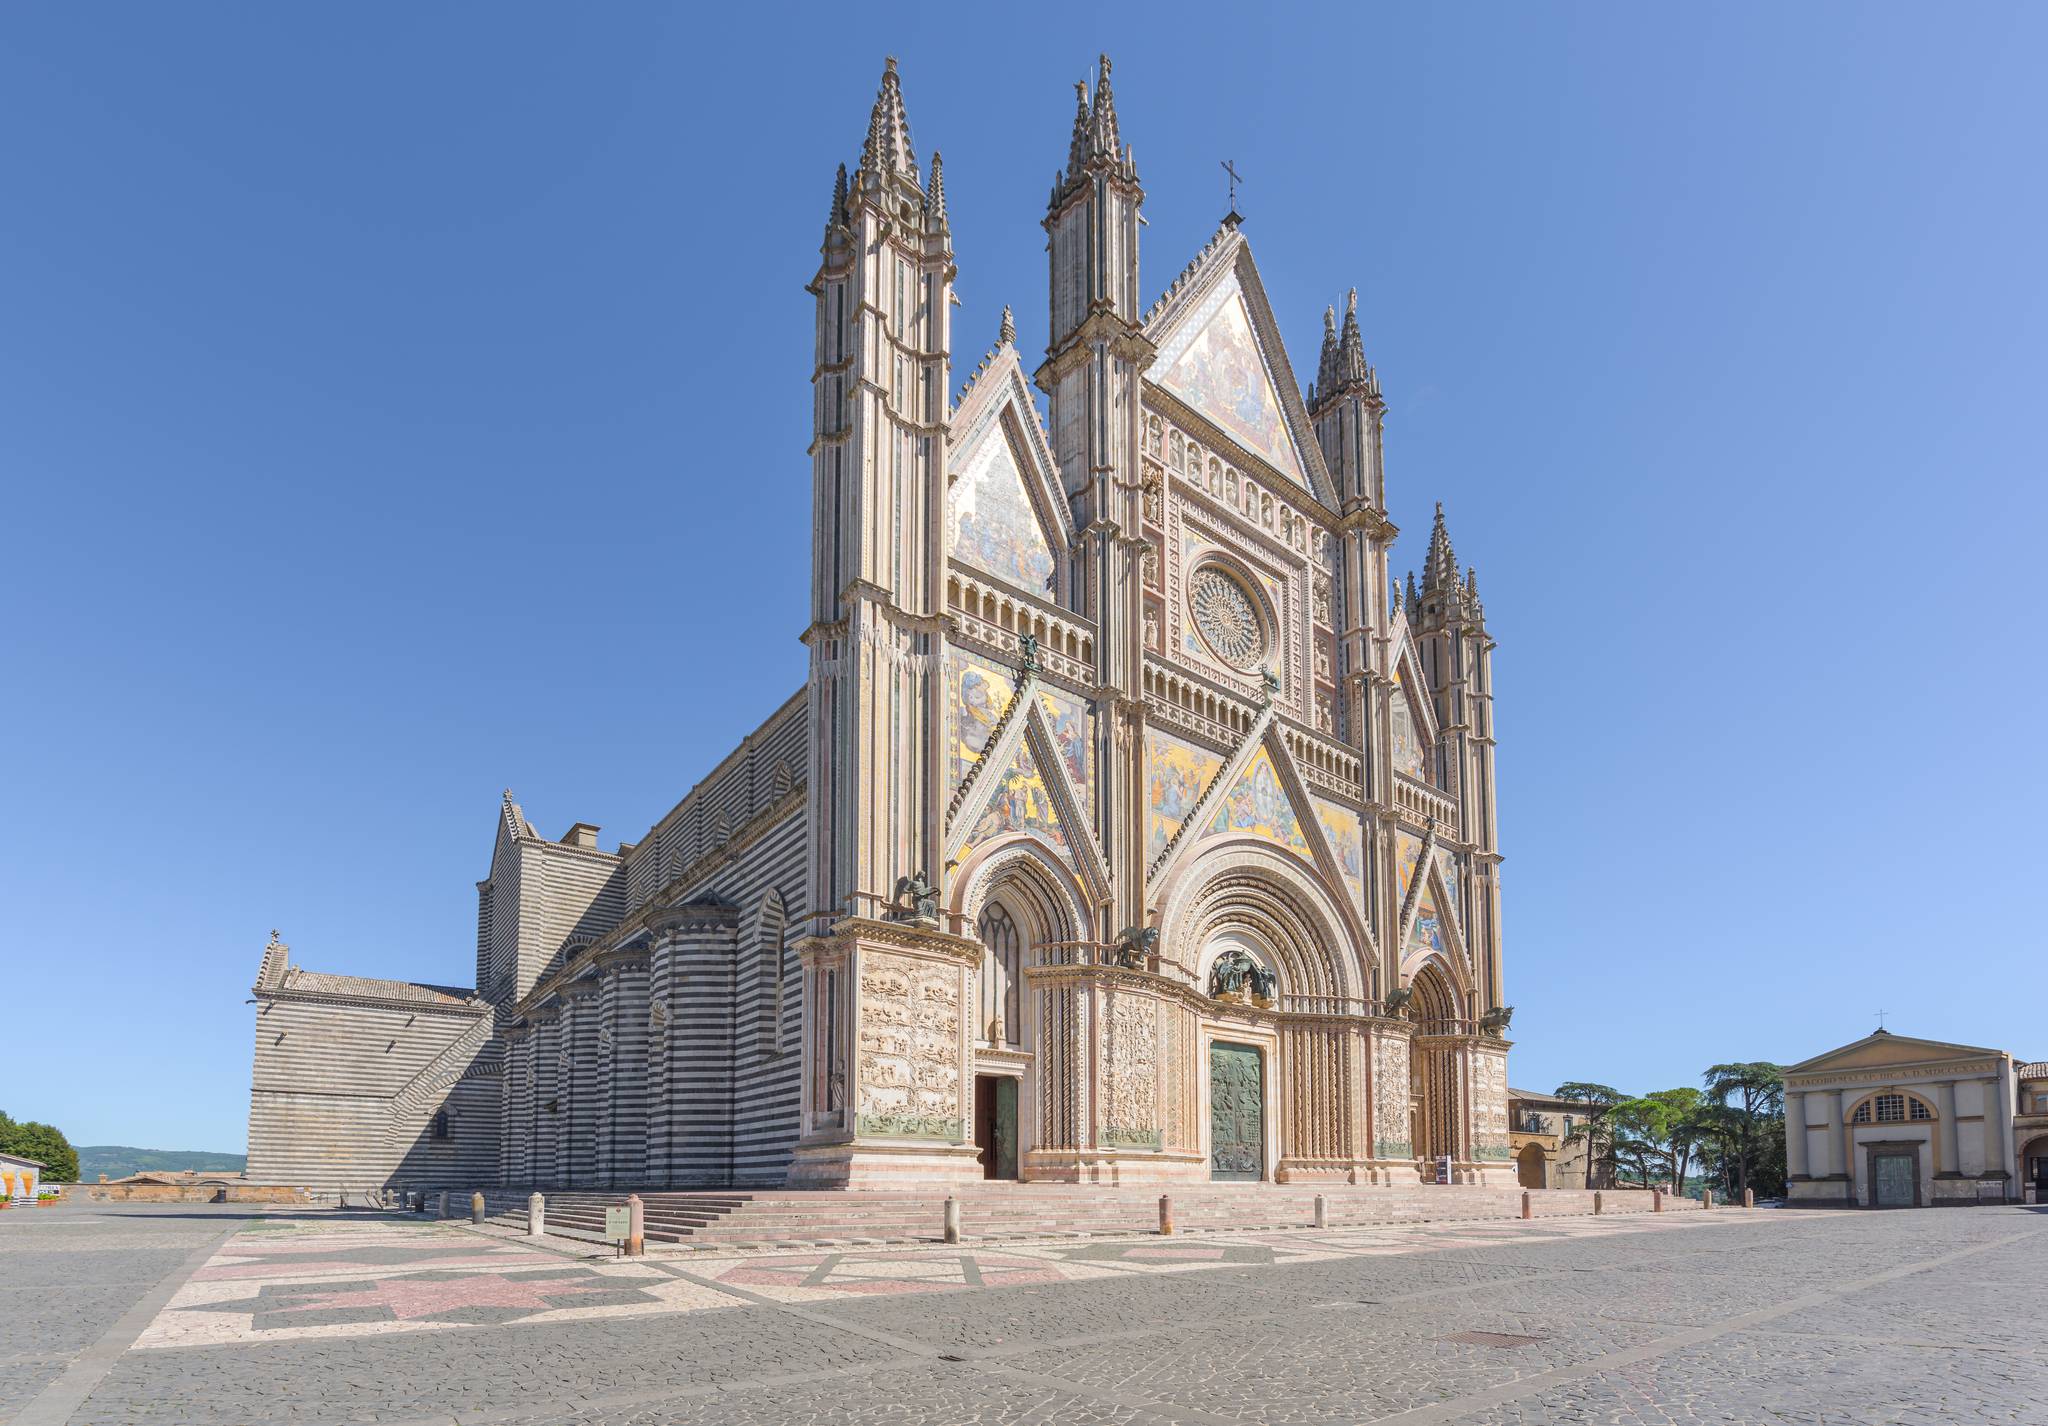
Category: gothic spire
[935,196]
[888,150]
[1102,122]
[1353,345]
[1006,335]
[1077,146]
[838,214]
[1326,366]
[1096,138]
[1440,570]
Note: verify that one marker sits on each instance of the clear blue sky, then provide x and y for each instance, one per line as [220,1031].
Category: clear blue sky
[401,402]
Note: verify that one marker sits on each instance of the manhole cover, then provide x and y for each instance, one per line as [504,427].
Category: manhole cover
[1492,1339]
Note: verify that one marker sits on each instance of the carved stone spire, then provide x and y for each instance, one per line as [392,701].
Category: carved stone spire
[888,152]
[1096,141]
[1006,335]
[1352,365]
[838,213]
[1326,365]
[1440,570]
[1102,122]
[1077,147]
[935,196]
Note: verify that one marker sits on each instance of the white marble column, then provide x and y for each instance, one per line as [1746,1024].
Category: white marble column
[1795,1134]
[1997,1126]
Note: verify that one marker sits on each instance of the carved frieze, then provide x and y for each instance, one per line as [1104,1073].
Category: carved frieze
[909,1046]
[1131,1115]
[1490,1106]
[1390,1098]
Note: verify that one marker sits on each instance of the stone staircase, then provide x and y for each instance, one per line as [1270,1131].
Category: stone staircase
[996,1211]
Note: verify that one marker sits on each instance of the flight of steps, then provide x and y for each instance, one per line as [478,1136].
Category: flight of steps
[753,1218]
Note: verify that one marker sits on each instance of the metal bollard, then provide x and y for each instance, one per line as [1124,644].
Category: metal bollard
[1527,1212]
[1749,1198]
[1165,1213]
[536,1216]
[441,1209]
[476,1208]
[1322,1212]
[1656,1200]
[1596,1200]
[636,1226]
[952,1219]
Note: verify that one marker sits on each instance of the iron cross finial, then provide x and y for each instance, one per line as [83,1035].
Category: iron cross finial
[1880,1019]
[1230,168]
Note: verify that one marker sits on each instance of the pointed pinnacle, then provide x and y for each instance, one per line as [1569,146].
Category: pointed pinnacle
[888,148]
[935,197]
[838,214]
[1441,567]
[1104,117]
[1077,146]
[1006,335]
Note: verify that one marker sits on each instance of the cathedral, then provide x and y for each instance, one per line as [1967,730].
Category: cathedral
[1132,826]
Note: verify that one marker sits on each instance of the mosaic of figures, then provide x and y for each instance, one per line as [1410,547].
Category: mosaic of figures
[909,1047]
[1020,800]
[1222,374]
[996,525]
[1176,772]
[1346,834]
[1407,737]
[1257,804]
[1429,917]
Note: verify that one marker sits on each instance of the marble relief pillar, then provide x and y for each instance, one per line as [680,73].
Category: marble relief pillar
[1835,1101]
[1795,1135]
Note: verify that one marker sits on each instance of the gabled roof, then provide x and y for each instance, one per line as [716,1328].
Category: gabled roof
[1221,286]
[1883,1048]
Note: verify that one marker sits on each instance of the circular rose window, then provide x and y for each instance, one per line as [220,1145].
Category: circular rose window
[1228,618]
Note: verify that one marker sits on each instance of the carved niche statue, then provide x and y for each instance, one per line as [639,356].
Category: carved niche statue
[1236,976]
[1398,998]
[1027,652]
[916,899]
[1134,946]
[1495,1022]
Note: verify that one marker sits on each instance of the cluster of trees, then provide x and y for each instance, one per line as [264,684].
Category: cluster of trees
[43,1143]
[1729,1134]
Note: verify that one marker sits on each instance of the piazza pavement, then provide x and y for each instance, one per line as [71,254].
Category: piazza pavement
[181,1313]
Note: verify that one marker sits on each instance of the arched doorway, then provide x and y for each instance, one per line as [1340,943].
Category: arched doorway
[2034,1168]
[1530,1168]
[1437,1100]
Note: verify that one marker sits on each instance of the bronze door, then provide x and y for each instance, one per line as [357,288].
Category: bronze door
[1895,1174]
[1237,1113]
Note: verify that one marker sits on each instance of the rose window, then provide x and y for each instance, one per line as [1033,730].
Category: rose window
[1227,617]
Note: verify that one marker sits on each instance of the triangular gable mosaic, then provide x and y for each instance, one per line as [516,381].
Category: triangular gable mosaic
[995,526]
[1257,805]
[1021,802]
[1346,832]
[1408,743]
[980,692]
[1428,931]
[1176,772]
[1222,374]
[1070,726]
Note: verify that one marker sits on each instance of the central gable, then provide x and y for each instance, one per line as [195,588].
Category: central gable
[1216,365]
[996,526]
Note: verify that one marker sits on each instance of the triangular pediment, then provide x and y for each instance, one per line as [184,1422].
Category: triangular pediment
[1256,804]
[1003,498]
[1220,356]
[1435,922]
[1883,1049]
[1018,800]
[1413,719]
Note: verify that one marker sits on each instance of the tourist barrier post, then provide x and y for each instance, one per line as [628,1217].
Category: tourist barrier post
[476,1208]
[1322,1212]
[1166,1213]
[1526,1213]
[536,1217]
[952,1230]
[636,1226]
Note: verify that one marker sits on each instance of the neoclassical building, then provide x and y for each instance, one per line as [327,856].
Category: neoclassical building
[1132,824]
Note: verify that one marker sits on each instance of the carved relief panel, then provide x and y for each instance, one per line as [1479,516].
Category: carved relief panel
[909,1048]
[1390,1098]
[1130,1117]
[1489,1106]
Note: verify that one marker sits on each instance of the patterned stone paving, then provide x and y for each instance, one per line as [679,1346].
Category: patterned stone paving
[1760,1317]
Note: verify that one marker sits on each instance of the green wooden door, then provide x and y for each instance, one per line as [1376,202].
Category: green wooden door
[1237,1113]
[1006,1127]
[1895,1174]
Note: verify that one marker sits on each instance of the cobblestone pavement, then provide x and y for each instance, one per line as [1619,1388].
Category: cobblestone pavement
[136,1314]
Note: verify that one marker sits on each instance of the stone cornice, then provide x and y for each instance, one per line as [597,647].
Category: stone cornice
[1168,988]
[909,937]
[469,1009]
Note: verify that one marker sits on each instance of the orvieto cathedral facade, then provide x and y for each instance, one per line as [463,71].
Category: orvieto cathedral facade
[1134,824]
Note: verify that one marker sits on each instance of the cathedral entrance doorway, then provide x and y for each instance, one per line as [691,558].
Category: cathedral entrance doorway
[995,1124]
[1237,1113]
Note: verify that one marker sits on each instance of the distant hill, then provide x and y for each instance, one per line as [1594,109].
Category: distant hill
[118,1160]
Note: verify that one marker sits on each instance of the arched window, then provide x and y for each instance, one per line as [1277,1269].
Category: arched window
[1892,1108]
[1002,967]
[440,1130]
[771,984]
